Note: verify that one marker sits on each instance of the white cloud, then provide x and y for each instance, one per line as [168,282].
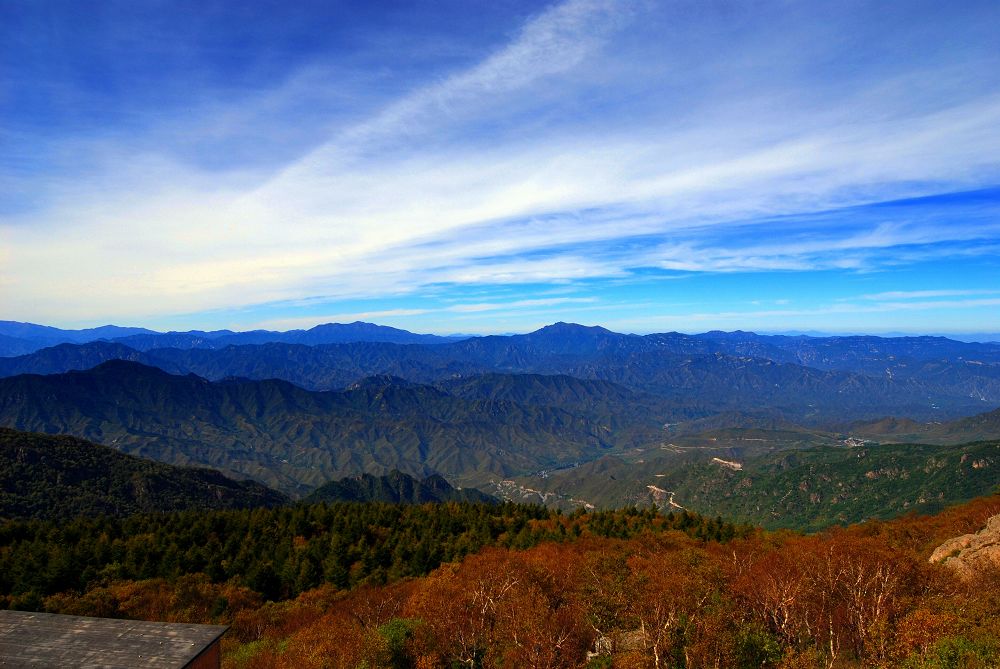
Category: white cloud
[518,304]
[939,304]
[922,294]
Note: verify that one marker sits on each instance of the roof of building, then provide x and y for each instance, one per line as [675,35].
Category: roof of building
[53,640]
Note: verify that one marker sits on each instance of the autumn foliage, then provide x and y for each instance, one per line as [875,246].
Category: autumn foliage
[863,596]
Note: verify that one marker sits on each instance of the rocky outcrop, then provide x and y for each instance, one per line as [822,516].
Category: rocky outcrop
[970,553]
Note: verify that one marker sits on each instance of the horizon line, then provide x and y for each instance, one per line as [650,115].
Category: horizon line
[787,332]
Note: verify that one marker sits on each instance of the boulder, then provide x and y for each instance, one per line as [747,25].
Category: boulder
[971,553]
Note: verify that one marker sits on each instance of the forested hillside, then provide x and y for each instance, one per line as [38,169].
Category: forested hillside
[59,477]
[529,437]
[814,488]
[980,427]
[295,440]
[395,487]
[759,478]
[325,586]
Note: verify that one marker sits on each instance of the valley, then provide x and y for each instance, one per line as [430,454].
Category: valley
[567,416]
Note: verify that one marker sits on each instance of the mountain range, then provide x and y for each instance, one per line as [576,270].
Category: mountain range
[47,477]
[815,381]
[23,338]
[569,415]
[294,439]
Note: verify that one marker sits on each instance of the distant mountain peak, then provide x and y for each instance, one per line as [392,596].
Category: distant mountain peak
[561,327]
[355,325]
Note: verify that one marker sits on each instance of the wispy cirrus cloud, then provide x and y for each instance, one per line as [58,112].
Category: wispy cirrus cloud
[924,294]
[598,141]
[518,304]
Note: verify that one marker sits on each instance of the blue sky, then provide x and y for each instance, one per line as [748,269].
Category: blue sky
[495,166]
